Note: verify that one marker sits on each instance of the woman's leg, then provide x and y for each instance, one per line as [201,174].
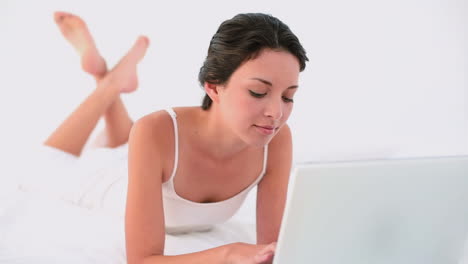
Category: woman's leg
[117,121]
[73,133]
[117,124]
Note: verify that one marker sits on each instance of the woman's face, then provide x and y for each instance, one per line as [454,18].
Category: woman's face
[258,98]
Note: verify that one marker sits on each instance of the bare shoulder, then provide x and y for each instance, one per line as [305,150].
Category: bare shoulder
[280,149]
[154,125]
[152,136]
[282,137]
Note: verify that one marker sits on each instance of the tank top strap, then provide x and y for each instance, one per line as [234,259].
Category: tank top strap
[173,115]
[265,159]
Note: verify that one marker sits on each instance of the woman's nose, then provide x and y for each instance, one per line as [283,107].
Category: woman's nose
[274,109]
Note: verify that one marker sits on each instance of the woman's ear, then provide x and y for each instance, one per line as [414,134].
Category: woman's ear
[212,91]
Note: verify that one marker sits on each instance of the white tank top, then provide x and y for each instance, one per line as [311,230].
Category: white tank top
[182,215]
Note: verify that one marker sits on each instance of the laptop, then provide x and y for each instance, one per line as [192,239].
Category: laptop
[400,211]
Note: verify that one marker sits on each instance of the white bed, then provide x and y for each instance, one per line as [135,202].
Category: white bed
[40,223]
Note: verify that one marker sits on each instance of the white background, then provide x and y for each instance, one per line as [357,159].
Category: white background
[385,78]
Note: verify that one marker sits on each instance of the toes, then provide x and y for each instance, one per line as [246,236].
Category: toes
[67,18]
[136,52]
[144,39]
[141,43]
[139,48]
[59,16]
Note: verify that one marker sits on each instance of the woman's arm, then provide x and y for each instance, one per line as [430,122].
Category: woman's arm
[272,189]
[144,216]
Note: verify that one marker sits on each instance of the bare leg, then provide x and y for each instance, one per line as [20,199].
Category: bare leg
[73,133]
[117,121]
[118,124]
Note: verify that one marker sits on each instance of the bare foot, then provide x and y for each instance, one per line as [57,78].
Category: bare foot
[74,29]
[123,77]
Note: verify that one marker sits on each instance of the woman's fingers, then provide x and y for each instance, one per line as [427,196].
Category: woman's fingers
[269,248]
[266,253]
[265,258]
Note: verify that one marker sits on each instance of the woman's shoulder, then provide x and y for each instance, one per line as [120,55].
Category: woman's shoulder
[281,138]
[280,148]
[153,127]
[163,116]
[159,124]
[153,121]
[187,111]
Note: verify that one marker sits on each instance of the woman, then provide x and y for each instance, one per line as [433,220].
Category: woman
[191,167]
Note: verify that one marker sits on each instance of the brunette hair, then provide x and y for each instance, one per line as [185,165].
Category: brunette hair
[241,38]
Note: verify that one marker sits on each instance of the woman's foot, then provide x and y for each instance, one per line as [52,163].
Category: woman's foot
[123,77]
[74,29]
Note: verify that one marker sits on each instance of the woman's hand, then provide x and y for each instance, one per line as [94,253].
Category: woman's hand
[251,254]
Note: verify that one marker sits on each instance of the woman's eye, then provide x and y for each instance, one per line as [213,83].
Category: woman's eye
[258,95]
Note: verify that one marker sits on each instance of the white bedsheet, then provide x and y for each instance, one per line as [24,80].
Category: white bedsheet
[39,229]
[39,226]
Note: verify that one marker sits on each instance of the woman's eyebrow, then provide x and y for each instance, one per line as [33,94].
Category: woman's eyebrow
[270,84]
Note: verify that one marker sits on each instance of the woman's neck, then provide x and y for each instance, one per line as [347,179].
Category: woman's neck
[216,139]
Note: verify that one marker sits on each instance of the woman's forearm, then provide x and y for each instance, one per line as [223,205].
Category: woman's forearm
[218,255]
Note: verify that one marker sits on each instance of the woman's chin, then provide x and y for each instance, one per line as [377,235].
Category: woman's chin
[259,142]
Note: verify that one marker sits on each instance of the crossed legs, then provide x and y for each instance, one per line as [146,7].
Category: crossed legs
[104,101]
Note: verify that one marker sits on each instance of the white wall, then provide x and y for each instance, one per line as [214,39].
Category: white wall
[385,79]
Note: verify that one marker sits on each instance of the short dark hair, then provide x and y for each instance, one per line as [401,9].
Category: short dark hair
[241,38]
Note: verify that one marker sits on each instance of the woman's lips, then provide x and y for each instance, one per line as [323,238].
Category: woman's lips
[266,130]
